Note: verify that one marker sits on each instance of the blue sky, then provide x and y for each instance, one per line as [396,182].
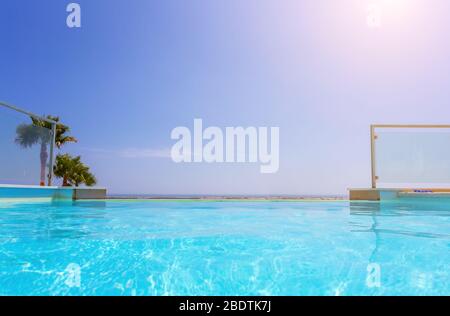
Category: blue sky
[137,69]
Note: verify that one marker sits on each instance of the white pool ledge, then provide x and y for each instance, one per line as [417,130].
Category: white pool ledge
[21,192]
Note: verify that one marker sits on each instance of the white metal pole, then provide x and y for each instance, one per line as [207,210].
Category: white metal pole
[52,156]
[372,156]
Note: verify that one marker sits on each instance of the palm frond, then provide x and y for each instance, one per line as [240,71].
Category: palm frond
[73,171]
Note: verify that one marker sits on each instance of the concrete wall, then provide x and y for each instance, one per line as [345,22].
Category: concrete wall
[364,195]
[89,193]
[374,194]
[16,192]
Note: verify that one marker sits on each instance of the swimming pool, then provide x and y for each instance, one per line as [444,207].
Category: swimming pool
[225,248]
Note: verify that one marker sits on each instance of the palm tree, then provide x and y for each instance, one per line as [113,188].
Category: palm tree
[39,132]
[73,171]
[61,138]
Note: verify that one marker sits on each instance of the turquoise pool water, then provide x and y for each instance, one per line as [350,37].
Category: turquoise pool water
[225,248]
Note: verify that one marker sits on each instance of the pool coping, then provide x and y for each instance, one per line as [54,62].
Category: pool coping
[32,192]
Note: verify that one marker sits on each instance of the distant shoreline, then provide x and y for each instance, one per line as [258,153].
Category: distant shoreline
[228,197]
